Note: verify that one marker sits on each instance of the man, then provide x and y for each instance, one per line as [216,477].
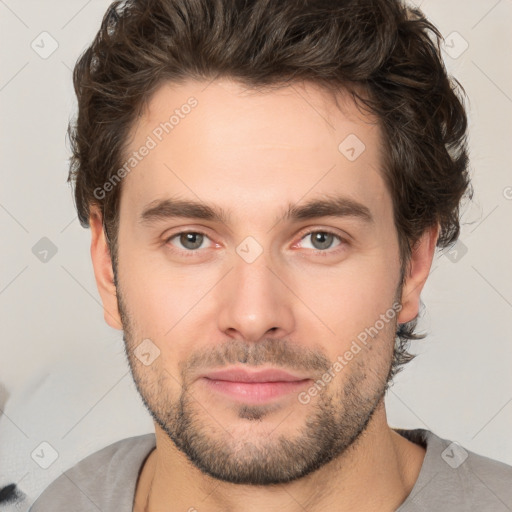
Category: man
[266,183]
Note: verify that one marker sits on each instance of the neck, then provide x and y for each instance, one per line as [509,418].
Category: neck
[377,472]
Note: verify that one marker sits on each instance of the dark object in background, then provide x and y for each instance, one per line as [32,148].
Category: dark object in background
[9,494]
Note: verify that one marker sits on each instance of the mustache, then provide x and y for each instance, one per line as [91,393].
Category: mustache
[280,353]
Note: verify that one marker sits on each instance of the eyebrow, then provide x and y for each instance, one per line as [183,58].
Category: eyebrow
[333,206]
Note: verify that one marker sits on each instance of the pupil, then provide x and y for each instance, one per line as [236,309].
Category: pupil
[189,238]
[320,235]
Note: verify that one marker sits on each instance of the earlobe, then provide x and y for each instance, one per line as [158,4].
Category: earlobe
[103,271]
[417,273]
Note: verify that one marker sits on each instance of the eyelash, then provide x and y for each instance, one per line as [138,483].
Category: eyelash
[327,252]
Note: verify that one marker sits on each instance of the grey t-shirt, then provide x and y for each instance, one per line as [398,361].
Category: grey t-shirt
[451,479]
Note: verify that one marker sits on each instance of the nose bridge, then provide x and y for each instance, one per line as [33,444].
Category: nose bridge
[254,276]
[256,287]
[252,262]
[255,300]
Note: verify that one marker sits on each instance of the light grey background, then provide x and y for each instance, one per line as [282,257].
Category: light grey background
[63,375]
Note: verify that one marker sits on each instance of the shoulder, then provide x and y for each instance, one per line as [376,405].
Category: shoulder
[454,479]
[103,478]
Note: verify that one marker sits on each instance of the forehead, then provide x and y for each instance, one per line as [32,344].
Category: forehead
[229,112]
[235,146]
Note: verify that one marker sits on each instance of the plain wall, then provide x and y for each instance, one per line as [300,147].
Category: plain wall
[63,374]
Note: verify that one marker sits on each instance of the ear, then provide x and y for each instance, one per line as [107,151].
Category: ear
[417,272]
[103,271]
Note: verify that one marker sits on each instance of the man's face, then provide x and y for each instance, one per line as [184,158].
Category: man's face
[257,291]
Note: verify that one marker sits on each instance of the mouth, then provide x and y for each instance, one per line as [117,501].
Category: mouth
[256,386]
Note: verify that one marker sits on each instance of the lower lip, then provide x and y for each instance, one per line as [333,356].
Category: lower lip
[255,392]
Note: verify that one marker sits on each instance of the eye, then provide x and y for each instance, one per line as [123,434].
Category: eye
[190,240]
[322,240]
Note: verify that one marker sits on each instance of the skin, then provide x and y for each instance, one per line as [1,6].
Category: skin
[252,154]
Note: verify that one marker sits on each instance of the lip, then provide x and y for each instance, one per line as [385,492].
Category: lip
[256,386]
[245,375]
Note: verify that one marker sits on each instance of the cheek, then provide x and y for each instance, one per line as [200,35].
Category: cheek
[353,295]
[167,305]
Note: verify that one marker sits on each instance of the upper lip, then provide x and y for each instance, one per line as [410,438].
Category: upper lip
[245,375]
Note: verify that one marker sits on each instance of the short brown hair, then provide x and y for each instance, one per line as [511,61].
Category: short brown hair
[384,48]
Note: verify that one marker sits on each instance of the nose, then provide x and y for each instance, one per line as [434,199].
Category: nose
[254,301]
